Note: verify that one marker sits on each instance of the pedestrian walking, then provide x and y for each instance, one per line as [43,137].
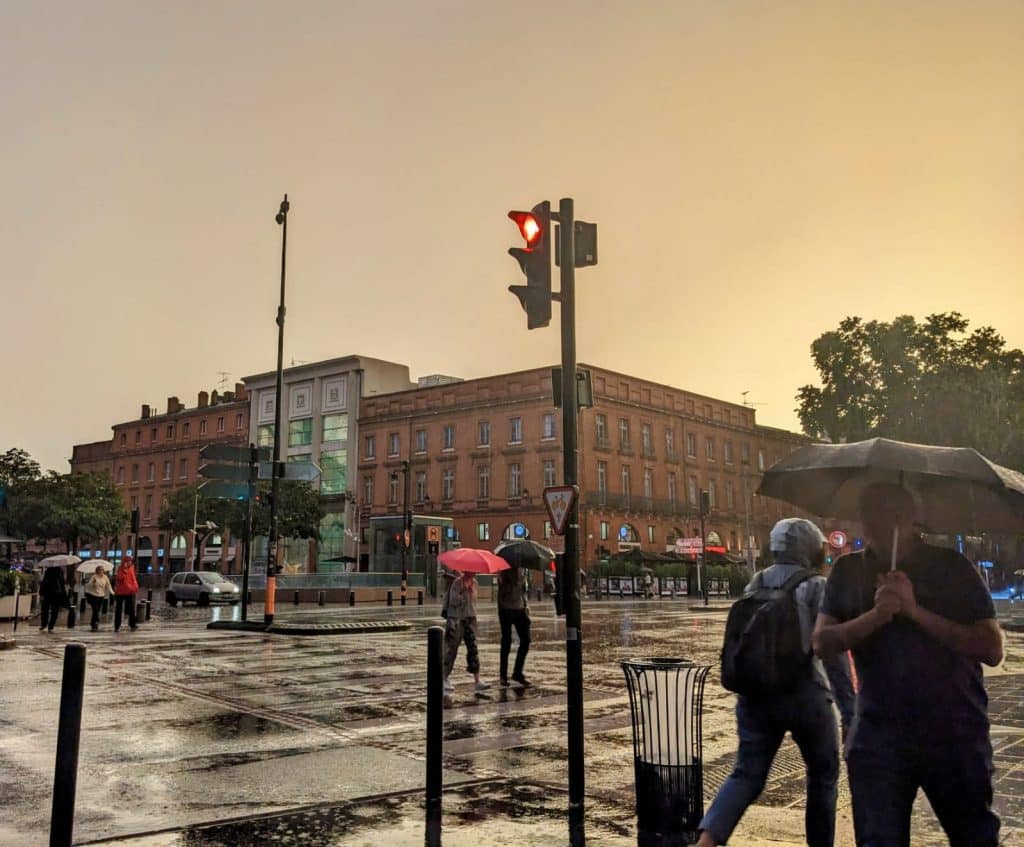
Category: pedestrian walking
[125,588]
[513,611]
[920,623]
[53,595]
[96,589]
[782,687]
[461,625]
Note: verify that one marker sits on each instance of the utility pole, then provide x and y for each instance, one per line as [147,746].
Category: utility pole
[745,474]
[705,507]
[275,476]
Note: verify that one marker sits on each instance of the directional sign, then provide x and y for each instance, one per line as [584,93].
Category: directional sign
[303,471]
[231,453]
[232,473]
[224,490]
[559,500]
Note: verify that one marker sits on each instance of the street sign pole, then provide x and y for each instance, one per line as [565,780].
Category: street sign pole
[275,482]
[254,459]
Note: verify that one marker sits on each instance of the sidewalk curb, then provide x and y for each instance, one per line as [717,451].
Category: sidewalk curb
[285,628]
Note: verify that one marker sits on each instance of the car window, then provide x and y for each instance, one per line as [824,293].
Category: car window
[192,579]
[179,578]
[212,578]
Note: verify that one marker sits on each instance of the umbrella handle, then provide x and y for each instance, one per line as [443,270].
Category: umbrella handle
[895,547]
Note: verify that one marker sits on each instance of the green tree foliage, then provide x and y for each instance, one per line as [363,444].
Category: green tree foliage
[932,382]
[17,467]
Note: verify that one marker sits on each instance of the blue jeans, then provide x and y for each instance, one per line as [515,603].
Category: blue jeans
[807,715]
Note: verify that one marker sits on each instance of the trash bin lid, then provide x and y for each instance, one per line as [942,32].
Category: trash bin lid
[655,662]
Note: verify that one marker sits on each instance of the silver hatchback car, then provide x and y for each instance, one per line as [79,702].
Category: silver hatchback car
[202,588]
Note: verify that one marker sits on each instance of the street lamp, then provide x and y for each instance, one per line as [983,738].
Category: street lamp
[406,524]
[745,475]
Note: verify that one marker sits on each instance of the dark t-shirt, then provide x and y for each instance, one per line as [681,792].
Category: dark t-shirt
[910,683]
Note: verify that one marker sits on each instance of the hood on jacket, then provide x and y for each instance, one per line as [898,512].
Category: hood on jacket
[796,541]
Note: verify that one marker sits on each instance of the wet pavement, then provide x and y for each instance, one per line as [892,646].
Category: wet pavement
[200,737]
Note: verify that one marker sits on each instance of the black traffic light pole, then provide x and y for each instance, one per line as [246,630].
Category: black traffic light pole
[406,526]
[573,615]
[275,475]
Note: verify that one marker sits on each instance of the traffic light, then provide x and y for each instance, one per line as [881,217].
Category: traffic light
[535,261]
[135,521]
[705,503]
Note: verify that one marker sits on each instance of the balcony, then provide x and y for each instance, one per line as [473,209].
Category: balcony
[642,505]
[602,443]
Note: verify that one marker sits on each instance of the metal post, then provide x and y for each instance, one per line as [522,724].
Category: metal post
[573,636]
[390,598]
[17,602]
[275,476]
[435,733]
[406,528]
[321,599]
[702,584]
[351,597]
[254,461]
[69,727]
[745,473]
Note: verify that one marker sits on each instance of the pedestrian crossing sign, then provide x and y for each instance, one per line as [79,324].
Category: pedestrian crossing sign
[559,500]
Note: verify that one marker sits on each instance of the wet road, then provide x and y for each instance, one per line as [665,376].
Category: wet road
[186,727]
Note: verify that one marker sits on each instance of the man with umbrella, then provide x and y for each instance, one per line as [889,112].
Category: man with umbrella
[920,623]
[513,611]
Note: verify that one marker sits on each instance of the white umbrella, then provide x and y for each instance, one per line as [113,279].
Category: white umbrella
[60,561]
[90,565]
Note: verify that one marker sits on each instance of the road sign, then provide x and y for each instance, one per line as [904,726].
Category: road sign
[837,539]
[224,490]
[304,471]
[232,473]
[559,500]
[231,453]
[434,534]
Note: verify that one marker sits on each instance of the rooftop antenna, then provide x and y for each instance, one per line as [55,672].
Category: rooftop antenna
[746,402]
[223,383]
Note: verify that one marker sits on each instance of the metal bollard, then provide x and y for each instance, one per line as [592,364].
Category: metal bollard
[296,598]
[140,611]
[419,598]
[248,598]
[622,594]
[351,597]
[69,731]
[435,733]
[321,598]
[149,597]
[17,602]
[71,617]
[391,599]
[149,609]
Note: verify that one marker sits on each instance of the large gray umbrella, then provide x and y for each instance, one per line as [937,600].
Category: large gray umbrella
[526,554]
[956,488]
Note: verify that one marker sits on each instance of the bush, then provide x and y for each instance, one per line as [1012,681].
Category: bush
[9,578]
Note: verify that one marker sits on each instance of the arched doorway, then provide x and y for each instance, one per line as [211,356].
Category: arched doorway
[515,532]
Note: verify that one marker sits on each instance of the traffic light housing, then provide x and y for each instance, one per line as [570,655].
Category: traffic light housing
[135,521]
[535,261]
[705,503]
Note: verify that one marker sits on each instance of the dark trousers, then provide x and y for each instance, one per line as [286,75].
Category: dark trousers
[520,619]
[121,601]
[955,774]
[48,609]
[94,603]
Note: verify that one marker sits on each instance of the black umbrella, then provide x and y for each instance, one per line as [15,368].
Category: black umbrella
[526,554]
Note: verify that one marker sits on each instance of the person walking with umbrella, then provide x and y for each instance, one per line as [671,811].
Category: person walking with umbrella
[125,589]
[53,594]
[461,625]
[920,623]
[513,611]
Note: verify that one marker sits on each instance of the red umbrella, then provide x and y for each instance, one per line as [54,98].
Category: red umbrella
[471,560]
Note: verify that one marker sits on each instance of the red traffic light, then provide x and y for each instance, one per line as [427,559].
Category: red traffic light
[529,226]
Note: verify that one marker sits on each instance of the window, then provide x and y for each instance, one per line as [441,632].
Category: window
[138,436]
[515,435]
[335,428]
[691,445]
[393,444]
[393,489]
[483,532]
[448,485]
[712,494]
[760,460]
[648,483]
[239,421]
[120,475]
[745,454]
[650,534]
[623,434]
[547,529]
[602,479]
[134,502]
[183,468]
[549,473]
[604,530]
[601,430]
[625,484]
[368,490]
[421,486]
[300,433]
[170,431]
[515,480]
[691,490]
[549,425]
[220,424]
[483,433]
[148,504]
[483,483]
[448,437]
[135,474]
[672,489]
[167,469]
[152,435]
[670,442]
[727,452]
[730,495]
[151,472]
[370,444]
[709,448]
[645,439]
[185,427]
[421,441]
[333,471]
[124,439]
[202,427]
[265,435]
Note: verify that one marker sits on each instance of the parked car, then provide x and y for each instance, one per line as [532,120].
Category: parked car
[202,588]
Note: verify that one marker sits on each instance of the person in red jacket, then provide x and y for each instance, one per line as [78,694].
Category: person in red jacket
[126,586]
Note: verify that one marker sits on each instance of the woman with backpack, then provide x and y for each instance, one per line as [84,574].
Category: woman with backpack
[126,586]
[782,687]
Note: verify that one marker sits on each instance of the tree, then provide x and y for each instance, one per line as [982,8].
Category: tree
[933,382]
[299,511]
[16,467]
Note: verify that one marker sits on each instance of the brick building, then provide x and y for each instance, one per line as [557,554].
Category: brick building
[482,451]
[150,457]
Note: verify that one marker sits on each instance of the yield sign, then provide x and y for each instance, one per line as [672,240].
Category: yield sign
[559,500]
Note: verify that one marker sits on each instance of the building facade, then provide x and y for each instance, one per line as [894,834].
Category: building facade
[481,451]
[152,456]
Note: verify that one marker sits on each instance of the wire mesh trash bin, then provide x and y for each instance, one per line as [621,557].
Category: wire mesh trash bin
[666,699]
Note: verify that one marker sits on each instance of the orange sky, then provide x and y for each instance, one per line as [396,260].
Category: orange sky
[758,171]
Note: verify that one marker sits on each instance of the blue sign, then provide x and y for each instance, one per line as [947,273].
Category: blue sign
[985,564]
[450,533]
[518,530]
[858,543]
[624,532]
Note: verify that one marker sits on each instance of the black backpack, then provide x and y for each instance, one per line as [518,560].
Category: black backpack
[763,652]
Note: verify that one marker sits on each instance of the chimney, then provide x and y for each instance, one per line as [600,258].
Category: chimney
[173,405]
[228,396]
[240,391]
[214,398]
[204,400]
[145,411]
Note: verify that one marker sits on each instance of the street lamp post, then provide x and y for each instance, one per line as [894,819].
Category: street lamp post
[406,525]
[745,474]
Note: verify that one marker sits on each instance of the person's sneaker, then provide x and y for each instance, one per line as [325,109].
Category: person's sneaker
[504,682]
[482,686]
[448,687]
[522,680]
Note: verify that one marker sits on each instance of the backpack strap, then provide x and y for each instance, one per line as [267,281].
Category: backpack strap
[794,581]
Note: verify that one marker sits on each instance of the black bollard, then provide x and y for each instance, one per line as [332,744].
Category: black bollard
[71,618]
[351,597]
[296,598]
[621,592]
[391,599]
[419,598]
[149,609]
[435,731]
[403,598]
[17,602]
[149,597]
[321,598]
[69,731]
[140,611]
[248,598]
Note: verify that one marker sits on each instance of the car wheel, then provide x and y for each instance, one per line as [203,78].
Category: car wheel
[204,599]
[171,599]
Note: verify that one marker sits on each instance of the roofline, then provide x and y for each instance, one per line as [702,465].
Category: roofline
[355,358]
[242,404]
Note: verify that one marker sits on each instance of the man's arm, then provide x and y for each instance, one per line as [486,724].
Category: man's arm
[832,637]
